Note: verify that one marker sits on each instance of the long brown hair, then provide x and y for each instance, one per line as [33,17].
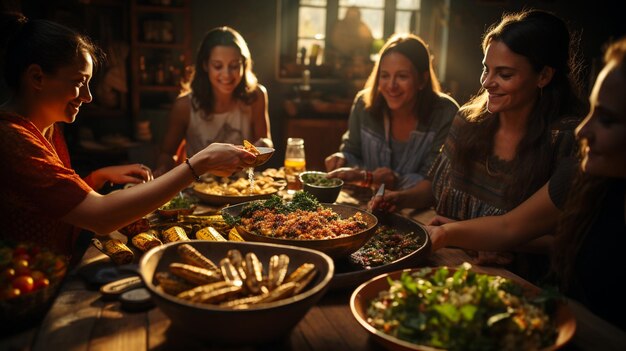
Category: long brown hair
[201,85]
[544,40]
[581,208]
[415,49]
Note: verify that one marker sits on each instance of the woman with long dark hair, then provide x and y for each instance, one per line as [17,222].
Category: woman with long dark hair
[225,103]
[591,232]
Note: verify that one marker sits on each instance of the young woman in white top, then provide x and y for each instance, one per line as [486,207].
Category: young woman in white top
[225,104]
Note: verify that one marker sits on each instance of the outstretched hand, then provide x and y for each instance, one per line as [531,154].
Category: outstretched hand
[134,173]
[224,159]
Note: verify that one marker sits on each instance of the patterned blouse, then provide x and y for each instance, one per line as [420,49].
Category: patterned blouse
[484,193]
[37,185]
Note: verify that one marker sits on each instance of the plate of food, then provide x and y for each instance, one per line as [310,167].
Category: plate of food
[451,308]
[234,190]
[178,205]
[397,243]
[336,230]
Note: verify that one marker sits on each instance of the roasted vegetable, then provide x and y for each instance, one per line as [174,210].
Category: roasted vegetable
[193,257]
[173,234]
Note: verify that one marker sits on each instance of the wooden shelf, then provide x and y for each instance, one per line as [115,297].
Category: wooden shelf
[157,55]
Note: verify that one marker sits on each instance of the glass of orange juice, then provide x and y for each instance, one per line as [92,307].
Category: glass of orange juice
[295,163]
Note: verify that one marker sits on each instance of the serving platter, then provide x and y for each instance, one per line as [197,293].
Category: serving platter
[349,273]
[335,247]
[214,199]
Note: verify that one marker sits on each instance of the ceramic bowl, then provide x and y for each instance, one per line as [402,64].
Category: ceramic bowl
[366,292]
[324,189]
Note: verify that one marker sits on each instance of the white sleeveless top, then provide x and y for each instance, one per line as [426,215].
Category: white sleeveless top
[228,127]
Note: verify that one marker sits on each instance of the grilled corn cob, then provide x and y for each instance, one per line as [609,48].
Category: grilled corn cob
[193,257]
[173,234]
[194,274]
[209,233]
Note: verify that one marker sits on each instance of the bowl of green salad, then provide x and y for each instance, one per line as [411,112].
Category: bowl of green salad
[178,205]
[325,190]
[453,308]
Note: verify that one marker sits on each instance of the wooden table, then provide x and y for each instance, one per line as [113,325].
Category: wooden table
[81,320]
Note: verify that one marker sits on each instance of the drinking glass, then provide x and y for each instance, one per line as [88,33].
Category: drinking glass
[295,163]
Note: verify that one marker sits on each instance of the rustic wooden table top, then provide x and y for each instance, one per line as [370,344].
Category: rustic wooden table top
[80,319]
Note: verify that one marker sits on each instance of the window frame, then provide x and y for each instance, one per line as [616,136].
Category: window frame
[287,32]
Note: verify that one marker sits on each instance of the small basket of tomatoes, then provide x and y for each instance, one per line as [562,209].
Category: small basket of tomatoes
[29,279]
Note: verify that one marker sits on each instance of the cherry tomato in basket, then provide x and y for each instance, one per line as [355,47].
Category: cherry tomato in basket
[9,293]
[41,283]
[37,275]
[22,256]
[24,283]
[21,267]
[7,274]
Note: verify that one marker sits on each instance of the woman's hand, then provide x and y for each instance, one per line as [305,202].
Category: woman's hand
[349,175]
[222,160]
[334,161]
[135,173]
[439,220]
[385,203]
[437,232]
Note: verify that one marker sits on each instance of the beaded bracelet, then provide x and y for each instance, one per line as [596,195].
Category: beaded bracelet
[367,179]
[193,171]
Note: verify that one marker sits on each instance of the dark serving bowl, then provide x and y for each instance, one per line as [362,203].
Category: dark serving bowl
[326,191]
[335,248]
[249,326]
[366,292]
[349,274]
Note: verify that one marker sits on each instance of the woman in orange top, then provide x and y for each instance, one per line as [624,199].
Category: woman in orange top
[48,67]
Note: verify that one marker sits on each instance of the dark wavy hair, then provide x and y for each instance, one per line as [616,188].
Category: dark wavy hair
[415,49]
[581,208]
[544,39]
[201,85]
[45,43]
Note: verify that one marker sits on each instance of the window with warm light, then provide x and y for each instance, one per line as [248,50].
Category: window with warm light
[329,37]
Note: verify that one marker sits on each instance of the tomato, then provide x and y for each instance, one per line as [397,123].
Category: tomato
[41,283]
[21,267]
[21,256]
[37,275]
[24,283]
[9,293]
[7,274]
